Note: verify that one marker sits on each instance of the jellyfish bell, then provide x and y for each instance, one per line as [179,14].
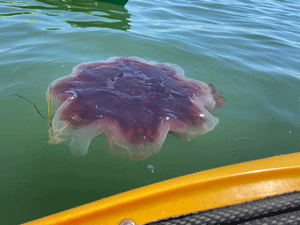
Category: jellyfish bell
[134,102]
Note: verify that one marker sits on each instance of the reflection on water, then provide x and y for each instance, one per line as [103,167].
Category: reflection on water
[96,14]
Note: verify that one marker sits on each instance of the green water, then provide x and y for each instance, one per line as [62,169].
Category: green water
[248,49]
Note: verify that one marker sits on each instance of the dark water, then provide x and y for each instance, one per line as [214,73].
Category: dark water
[247,49]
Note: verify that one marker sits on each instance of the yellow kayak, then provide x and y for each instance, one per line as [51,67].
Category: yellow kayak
[188,197]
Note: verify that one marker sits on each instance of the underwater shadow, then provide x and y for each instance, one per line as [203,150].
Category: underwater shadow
[110,13]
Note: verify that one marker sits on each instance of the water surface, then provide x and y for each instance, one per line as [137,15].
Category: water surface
[247,49]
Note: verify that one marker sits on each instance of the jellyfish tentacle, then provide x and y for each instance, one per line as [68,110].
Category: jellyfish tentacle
[81,140]
[118,144]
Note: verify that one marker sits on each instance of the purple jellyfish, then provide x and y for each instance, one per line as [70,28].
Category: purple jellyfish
[134,102]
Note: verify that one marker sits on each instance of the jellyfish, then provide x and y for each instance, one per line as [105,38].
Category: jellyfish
[135,103]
